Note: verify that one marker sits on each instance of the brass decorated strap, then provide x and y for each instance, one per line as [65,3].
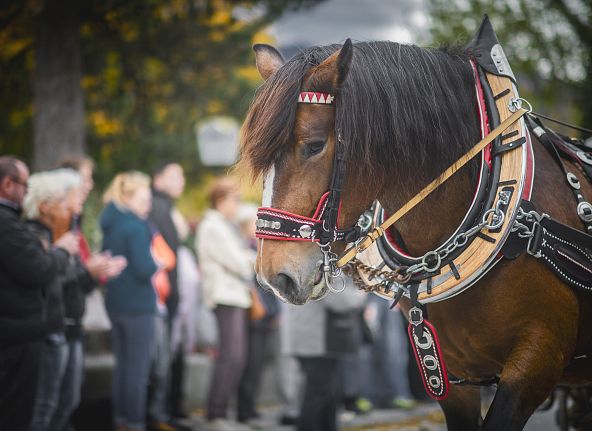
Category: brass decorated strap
[367,241]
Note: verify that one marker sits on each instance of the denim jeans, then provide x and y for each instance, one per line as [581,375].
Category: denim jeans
[160,369]
[71,384]
[52,367]
[133,341]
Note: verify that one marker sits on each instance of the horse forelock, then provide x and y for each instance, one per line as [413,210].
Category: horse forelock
[403,111]
[270,121]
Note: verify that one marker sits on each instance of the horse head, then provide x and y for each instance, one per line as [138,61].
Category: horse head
[296,156]
[364,101]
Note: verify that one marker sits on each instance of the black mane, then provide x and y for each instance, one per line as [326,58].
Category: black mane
[403,111]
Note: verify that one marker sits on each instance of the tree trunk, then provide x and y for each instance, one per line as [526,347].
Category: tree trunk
[58,120]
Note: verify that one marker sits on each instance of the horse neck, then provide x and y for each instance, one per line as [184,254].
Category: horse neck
[435,218]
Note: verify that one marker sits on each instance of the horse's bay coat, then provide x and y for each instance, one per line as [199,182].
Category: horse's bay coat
[226,263]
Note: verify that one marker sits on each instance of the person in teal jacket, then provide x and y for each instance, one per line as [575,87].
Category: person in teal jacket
[130,299]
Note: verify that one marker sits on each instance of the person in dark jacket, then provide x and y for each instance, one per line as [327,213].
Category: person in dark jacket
[168,182]
[27,269]
[131,299]
[48,211]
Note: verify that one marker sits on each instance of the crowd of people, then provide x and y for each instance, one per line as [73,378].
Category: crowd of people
[162,292]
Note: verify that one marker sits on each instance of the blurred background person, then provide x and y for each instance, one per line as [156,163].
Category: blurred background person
[48,209]
[353,374]
[183,334]
[321,334]
[88,269]
[227,272]
[166,260]
[290,379]
[262,328]
[384,363]
[168,182]
[131,298]
[28,270]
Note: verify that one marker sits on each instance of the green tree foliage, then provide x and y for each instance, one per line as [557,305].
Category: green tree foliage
[548,44]
[151,70]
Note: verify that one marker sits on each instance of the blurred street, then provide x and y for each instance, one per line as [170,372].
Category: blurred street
[425,417]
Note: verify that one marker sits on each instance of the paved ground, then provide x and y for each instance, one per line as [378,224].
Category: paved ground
[426,417]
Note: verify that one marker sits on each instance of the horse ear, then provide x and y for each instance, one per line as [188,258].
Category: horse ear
[333,70]
[268,59]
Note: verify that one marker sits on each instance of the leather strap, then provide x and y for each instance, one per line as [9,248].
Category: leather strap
[584,207]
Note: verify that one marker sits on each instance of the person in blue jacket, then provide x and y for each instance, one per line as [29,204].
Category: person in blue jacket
[130,298]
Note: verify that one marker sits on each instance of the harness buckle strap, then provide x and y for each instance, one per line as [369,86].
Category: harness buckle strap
[415,316]
[534,242]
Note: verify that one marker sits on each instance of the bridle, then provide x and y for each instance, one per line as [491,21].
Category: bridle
[323,227]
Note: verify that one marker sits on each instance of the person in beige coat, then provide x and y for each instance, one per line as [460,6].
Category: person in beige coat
[227,274]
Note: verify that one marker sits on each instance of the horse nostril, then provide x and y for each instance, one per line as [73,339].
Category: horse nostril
[287,287]
[284,283]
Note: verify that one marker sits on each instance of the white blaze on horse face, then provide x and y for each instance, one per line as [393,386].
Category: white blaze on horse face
[268,188]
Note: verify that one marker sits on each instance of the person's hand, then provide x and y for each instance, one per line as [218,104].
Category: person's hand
[69,242]
[97,265]
[116,265]
[104,267]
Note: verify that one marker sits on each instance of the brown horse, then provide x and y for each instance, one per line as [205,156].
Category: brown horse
[405,114]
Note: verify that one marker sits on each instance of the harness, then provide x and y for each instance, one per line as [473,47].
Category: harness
[501,221]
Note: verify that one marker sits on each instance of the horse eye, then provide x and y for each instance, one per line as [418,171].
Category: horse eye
[313,148]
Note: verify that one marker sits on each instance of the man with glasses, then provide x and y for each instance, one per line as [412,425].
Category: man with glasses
[26,269]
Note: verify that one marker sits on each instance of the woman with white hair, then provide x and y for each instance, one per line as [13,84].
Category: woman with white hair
[53,199]
[46,207]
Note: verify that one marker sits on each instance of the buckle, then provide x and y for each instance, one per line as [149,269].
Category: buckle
[415,316]
[585,211]
[534,242]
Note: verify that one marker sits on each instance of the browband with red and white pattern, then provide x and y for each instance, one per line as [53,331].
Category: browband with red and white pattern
[316,97]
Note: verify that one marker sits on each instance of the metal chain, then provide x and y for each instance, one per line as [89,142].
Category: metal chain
[431,261]
[354,268]
[531,217]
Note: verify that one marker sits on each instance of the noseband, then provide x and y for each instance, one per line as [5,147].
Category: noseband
[323,226]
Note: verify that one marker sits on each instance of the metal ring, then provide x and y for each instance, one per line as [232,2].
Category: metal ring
[496,212]
[425,263]
[330,286]
[516,103]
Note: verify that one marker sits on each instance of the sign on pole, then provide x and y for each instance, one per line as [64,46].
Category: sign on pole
[217,141]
